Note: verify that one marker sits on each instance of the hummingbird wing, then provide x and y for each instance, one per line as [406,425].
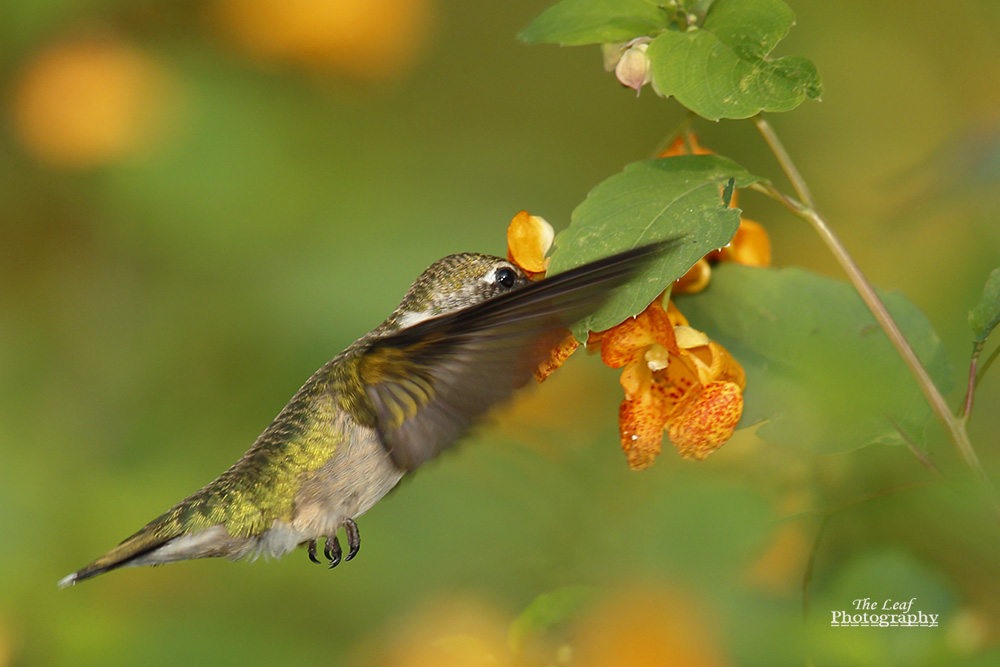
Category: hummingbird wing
[430,382]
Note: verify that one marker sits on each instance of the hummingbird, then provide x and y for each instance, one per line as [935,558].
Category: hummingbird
[469,332]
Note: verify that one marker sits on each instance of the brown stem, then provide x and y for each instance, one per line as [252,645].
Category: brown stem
[785,160]
[970,390]
[811,565]
[808,211]
[920,454]
[952,425]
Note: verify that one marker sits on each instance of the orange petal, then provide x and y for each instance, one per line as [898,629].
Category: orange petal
[680,147]
[636,379]
[725,367]
[627,341]
[715,364]
[751,245]
[695,280]
[708,422]
[688,337]
[529,237]
[640,425]
[675,316]
[677,384]
[559,354]
[677,147]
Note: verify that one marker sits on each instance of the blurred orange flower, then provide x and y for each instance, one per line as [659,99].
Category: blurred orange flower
[750,246]
[454,632]
[644,626]
[368,40]
[90,101]
[632,625]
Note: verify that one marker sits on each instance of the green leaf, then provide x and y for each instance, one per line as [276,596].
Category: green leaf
[575,22]
[721,70]
[985,316]
[548,611]
[820,371]
[650,201]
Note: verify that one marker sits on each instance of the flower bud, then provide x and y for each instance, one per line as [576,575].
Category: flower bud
[635,68]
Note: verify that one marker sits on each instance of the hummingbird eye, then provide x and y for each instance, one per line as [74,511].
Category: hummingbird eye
[505,277]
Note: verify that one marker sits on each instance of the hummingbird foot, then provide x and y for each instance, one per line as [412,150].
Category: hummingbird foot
[312,552]
[332,551]
[353,538]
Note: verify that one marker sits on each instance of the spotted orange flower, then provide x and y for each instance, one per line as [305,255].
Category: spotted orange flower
[750,246]
[675,378]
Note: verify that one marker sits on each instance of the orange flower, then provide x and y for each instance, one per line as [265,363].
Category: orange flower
[366,40]
[675,379]
[750,245]
[529,237]
[559,354]
[644,624]
[679,146]
[696,279]
[89,101]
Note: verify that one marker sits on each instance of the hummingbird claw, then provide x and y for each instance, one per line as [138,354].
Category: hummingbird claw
[353,539]
[312,552]
[332,551]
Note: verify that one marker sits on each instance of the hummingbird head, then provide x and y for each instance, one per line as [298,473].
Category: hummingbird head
[454,283]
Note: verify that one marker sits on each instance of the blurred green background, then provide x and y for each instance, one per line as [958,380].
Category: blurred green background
[201,202]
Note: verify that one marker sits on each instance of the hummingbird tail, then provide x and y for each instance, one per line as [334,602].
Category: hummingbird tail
[130,552]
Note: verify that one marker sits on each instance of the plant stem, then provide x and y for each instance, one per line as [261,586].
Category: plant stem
[986,366]
[807,576]
[918,453]
[785,160]
[680,130]
[954,426]
[970,391]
